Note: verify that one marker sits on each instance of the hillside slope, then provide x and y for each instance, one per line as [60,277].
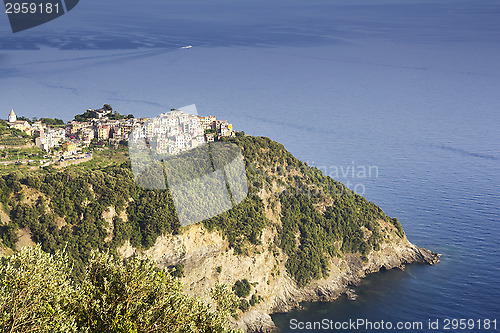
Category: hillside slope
[297,236]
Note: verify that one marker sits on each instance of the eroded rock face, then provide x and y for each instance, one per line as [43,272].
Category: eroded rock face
[208,261]
[255,321]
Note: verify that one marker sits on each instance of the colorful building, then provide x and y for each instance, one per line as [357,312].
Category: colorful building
[69,148]
[103,132]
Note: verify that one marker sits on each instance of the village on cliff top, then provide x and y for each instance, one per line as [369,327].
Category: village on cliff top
[172,132]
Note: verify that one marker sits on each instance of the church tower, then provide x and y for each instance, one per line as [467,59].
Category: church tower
[12,116]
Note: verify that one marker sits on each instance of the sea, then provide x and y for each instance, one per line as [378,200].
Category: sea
[400,100]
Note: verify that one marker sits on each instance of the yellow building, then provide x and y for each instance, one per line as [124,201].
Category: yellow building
[103,133]
[21,125]
[69,148]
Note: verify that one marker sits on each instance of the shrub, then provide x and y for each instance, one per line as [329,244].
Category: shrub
[242,288]
[135,295]
[115,296]
[244,305]
[35,293]
[177,270]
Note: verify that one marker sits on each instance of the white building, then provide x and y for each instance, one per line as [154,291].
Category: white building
[50,138]
[41,141]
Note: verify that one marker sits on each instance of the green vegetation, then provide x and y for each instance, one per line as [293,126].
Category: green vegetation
[113,115]
[400,232]
[116,116]
[104,156]
[242,288]
[308,236]
[16,150]
[255,300]
[80,198]
[52,122]
[24,118]
[29,302]
[11,136]
[244,305]
[177,271]
[14,154]
[242,225]
[84,116]
[320,218]
[113,296]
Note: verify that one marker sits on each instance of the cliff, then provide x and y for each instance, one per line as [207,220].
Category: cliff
[298,236]
[202,252]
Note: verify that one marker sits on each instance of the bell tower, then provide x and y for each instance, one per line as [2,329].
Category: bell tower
[12,116]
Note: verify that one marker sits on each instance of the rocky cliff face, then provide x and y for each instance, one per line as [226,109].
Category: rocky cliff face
[208,261]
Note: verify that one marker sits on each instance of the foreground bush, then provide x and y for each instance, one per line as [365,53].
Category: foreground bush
[37,295]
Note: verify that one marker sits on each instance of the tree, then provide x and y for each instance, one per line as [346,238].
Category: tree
[84,116]
[242,288]
[135,296]
[35,293]
[177,271]
[50,121]
[8,234]
[244,305]
[225,300]
[255,300]
[25,119]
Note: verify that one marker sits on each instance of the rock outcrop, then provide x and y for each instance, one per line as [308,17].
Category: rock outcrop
[208,261]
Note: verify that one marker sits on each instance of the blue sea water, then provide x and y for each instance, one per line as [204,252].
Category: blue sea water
[408,90]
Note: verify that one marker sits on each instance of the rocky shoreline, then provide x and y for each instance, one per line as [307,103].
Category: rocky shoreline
[328,290]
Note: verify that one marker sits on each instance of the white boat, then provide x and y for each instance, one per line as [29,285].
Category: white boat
[187,47]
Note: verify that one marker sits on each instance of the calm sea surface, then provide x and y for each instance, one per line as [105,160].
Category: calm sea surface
[409,91]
